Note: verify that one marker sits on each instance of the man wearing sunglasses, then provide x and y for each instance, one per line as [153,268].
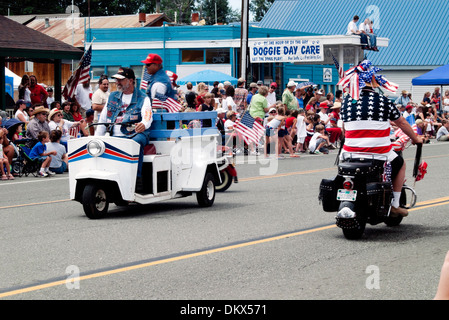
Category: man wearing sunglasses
[159,84]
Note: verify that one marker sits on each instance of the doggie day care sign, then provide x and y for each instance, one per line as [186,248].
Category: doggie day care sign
[286,51]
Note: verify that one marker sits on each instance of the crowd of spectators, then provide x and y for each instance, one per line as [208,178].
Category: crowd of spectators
[297,119]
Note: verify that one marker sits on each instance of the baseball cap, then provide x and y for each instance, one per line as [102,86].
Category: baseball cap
[260,82]
[320,91]
[152,58]
[274,84]
[324,105]
[253,85]
[241,80]
[124,73]
[291,84]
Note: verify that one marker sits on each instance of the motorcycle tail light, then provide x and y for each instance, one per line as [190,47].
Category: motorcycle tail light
[348,185]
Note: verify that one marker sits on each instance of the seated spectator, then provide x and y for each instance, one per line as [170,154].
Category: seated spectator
[443,133]
[59,162]
[66,114]
[20,113]
[38,123]
[319,141]
[75,110]
[5,168]
[7,147]
[39,151]
[86,127]
[56,122]
[421,130]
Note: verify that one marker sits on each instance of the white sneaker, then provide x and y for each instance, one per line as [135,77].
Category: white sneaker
[43,174]
[51,173]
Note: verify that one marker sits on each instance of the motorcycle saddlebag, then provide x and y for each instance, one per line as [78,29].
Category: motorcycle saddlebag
[328,195]
[379,195]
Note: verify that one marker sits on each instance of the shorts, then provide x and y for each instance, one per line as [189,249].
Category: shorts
[61,169]
[269,131]
[282,133]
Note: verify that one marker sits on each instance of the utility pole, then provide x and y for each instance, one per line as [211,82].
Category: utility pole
[244,40]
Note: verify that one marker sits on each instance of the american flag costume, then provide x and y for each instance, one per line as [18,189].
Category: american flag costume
[356,78]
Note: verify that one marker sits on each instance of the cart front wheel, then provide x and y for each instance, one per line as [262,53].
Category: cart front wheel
[95,201]
[206,195]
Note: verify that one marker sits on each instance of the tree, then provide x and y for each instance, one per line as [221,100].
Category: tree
[259,8]
[183,9]
[207,9]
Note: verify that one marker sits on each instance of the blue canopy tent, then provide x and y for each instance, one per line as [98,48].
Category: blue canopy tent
[208,77]
[436,77]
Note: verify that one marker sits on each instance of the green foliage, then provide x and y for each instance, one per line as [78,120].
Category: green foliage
[207,10]
[259,8]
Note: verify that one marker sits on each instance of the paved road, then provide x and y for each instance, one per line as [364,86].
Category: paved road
[265,238]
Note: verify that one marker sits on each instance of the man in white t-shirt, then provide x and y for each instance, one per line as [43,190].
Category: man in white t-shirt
[100,97]
[83,94]
[352,26]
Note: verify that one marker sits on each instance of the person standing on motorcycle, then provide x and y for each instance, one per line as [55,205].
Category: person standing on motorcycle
[128,105]
[159,84]
[366,117]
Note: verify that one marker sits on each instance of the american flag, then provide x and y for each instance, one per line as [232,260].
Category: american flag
[81,74]
[249,128]
[171,105]
[145,79]
[339,68]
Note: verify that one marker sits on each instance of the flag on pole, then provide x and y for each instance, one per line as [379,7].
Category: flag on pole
[80,75]
[171,105]
[249,128]
[145,79]
[339,67]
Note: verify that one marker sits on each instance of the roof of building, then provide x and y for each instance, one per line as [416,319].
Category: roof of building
[61,28]
[417,29]
[17,40]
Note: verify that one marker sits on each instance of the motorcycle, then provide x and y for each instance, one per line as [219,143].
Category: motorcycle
[361,193]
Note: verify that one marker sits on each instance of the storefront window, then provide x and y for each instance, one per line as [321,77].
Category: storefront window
[97,71]
[218,56]
[192,56]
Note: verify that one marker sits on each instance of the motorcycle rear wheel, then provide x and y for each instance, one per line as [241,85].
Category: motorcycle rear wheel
[356,232]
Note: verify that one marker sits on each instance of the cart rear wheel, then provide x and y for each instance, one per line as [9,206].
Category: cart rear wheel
[206,195]
[95,201]
[226,179]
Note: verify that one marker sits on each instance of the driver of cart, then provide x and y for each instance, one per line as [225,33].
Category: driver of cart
[127,105]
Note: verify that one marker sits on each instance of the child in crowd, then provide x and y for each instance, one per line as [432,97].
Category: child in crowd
[39,151]
[4,163]
[301,131]
[319,141]
[59,162]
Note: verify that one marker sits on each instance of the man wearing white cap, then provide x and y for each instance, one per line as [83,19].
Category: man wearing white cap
[288,98]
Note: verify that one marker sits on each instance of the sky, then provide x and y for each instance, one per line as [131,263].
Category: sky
[235,4]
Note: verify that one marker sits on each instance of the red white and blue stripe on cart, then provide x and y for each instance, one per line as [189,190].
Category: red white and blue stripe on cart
[110,152]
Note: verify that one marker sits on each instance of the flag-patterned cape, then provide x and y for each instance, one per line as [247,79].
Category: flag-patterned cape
[249,128]
[79,76]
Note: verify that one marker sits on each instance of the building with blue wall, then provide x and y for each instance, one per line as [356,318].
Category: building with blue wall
[187,49]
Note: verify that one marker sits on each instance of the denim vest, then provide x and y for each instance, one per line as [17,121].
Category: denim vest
[162,77]
[132,114]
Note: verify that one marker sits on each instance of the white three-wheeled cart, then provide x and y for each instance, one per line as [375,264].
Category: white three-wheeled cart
[177,163]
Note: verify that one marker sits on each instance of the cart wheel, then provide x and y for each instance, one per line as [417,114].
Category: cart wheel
[226,179]
[95,201]
[206,195]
